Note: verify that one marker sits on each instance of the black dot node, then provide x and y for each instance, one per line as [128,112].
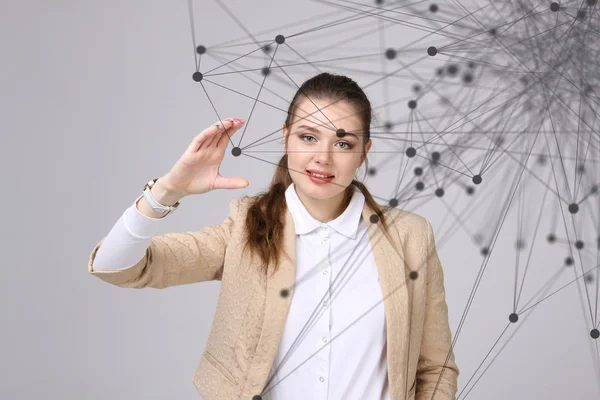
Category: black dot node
[439,71]
[435,156]
[452,69]
[433,8]
[595,333]
[513,318]
[411,152]
[520,244]
[591,2]
[581,168]
[236,151]
[581,14]
[388,126]
[439,192]
[589,278]
[418,171]
[470,190]
[279,39]
[265,71]
[420,186]
[432,51]
[485,251]
[201,49]
[542,160]
[471,64]
[594,189]
[390,54]
[257,397]
[493,31]
[197,76]
[393,203]
[267,48]
[374,218]
[467,78]
[379,2]
[372,171]
[568,261]
[340,133]
[412,104]
[416,88]
[414,275]
[284,292]
[477,179]
[579,244]
[554,6]
[573,208]
[551,238]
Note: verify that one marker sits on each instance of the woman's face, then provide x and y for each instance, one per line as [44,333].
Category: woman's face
[314,145]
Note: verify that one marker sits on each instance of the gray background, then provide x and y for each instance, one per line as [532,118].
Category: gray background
[96,98]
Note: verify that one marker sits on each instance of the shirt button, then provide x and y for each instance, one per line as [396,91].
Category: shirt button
[322,379]
[324,339]
[325,240]
[325,272]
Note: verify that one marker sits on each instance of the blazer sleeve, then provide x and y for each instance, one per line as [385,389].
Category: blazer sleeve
[437,371]
[176,258]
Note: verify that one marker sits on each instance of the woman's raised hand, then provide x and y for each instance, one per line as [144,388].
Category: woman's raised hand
[197,170]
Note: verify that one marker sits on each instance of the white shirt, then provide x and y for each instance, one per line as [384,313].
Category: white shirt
[350,360]
[336,315]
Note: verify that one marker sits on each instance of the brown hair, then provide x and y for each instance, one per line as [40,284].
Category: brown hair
[264,221]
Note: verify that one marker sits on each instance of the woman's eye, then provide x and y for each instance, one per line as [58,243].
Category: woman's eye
[348,146]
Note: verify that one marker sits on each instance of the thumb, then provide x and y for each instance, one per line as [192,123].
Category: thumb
[230,183]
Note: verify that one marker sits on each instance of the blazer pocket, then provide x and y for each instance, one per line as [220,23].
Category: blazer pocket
[219,366]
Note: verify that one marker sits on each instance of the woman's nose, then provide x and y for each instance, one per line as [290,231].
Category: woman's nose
[323,156]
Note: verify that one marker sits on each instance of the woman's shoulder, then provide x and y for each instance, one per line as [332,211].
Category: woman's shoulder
[404,220]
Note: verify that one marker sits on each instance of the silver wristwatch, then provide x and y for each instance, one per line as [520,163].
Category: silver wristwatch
[156,206]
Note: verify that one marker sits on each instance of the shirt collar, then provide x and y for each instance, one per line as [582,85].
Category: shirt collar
[346,223]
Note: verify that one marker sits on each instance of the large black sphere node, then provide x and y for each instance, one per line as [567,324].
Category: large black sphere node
[414,275]
[265,71]
[340,133]
[257,397]
[573,208]
[419,186]
[393,203]
[467,78]
[411,152]
[390,54]
[477,179]
[418,171]
[435,156]
[201,49]
[513,318]
[579,244]
[432,51]
[284,292]
[197,76]
[236,151]
[412,104]
[439,192]
[595,333]
[279,39]
[433,8]
[568,261]
[554,6]
[374,218]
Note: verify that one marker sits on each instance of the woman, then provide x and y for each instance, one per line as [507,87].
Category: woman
[324,292]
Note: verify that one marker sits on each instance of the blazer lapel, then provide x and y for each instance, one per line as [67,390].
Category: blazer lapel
[389,259]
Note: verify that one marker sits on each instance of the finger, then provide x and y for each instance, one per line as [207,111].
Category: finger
[223,139]
[207,134]
[230,183]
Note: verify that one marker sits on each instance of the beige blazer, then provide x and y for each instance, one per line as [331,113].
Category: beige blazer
[250,312]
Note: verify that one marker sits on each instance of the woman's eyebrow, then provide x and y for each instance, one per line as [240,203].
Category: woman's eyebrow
[313,129]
